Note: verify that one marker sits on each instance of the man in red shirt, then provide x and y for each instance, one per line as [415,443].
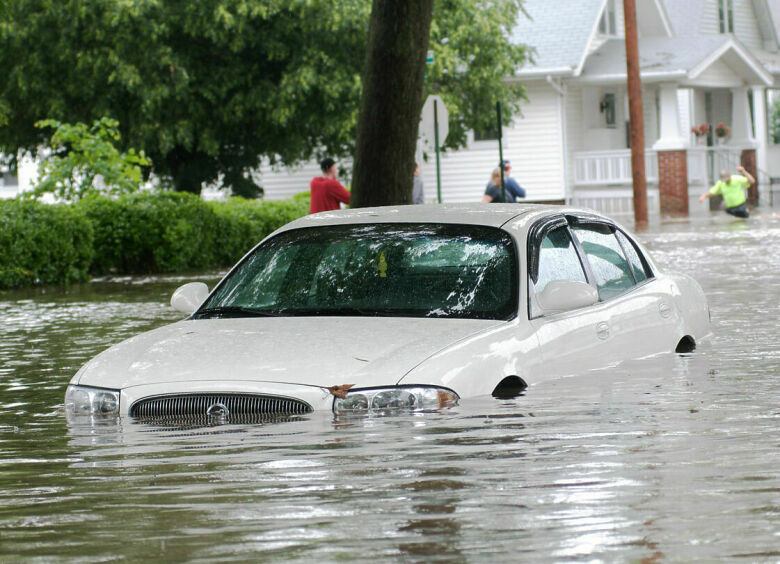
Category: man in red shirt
[326,191]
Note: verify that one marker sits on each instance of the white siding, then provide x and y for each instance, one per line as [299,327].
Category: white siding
[574,130]
[745,24]
[709,23]
[684,111]
[718,75]
[721,106]
[650,114]
[533,144]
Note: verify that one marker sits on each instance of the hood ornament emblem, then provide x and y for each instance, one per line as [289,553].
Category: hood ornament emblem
[218,410]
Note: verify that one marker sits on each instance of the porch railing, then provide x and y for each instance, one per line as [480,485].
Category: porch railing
[613,168]
[599,168]
[705,163]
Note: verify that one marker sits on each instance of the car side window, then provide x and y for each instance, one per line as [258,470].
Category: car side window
[641,271]
[608,263]
[558,259]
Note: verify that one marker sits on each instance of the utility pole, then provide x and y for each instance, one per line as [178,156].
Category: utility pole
[636,121]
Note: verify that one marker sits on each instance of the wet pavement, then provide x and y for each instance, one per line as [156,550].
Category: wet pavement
[670,459]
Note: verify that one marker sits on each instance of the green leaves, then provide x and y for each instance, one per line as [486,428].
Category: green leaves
[84,161]
[215,86]
[474,58]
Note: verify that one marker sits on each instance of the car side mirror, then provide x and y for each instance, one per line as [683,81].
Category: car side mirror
[187,298]
[565,295]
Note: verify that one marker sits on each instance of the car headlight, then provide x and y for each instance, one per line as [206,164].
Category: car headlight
[85,400]
[396,397]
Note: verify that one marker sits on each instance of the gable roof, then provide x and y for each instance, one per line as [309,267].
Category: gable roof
[563,34]
[766,24]
[678,58]
[559,31]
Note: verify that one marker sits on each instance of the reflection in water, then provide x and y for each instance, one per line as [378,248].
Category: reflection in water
[666,459]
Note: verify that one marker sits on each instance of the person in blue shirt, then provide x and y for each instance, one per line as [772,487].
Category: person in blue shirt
[511,184]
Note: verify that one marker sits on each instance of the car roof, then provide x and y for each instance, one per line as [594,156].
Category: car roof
[494,215]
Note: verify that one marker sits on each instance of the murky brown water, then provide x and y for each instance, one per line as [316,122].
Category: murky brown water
[666,460]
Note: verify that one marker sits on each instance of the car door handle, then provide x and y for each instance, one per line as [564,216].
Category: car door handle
[602,330]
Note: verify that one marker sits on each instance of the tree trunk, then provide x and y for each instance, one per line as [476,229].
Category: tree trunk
[392,100]
[190,169]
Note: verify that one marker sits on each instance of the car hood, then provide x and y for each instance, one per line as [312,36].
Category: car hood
[315,351]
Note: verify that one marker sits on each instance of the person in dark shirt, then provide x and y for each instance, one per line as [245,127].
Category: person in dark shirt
[511,184]
[327,193]
[493,192]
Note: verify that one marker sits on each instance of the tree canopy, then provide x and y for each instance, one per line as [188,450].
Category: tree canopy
[209,88]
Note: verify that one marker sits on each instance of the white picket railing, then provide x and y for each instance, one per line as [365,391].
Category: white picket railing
[613,168]
[705,163]
[600,168]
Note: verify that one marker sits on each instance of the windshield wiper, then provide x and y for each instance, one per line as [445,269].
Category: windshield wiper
[232,311]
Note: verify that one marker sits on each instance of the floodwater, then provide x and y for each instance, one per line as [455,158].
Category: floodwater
[672,459]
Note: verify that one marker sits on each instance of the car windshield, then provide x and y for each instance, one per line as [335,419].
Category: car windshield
[411,270]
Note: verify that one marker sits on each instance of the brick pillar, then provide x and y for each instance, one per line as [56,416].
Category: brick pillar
[673,182]
[748,160]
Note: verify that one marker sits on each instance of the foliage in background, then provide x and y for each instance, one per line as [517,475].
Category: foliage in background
[473,55]
[141,233]
[774,125]
[209,88]
[43,244]
[171,231]
[84,161]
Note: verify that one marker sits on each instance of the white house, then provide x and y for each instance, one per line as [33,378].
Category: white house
[701,61]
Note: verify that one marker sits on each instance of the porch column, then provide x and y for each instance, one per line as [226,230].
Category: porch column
[672,156]
[741,133]
[748,159]
[762,138]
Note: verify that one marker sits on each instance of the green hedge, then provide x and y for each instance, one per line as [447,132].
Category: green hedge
[243,223]
[151,232]
[175,231]
[43,244]
[133,234]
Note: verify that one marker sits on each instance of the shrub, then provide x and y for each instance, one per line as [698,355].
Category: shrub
[151,232]
[43,244]
[175,231]
[244,223]
[139,233]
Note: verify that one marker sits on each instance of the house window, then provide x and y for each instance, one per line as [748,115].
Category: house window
[726,15]
[773,115]
[486,134]
[608,23]
[9,179]
[607,107]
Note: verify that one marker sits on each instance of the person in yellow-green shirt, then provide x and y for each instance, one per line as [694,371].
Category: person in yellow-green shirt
[732,187]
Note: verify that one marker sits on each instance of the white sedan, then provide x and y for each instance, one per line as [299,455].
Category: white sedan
[411,307]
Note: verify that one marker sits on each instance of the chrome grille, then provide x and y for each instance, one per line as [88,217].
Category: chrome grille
[230,406]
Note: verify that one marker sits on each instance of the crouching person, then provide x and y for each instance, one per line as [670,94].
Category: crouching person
[732,188]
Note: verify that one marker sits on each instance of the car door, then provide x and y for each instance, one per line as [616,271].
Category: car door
[570,342]
[639,317]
